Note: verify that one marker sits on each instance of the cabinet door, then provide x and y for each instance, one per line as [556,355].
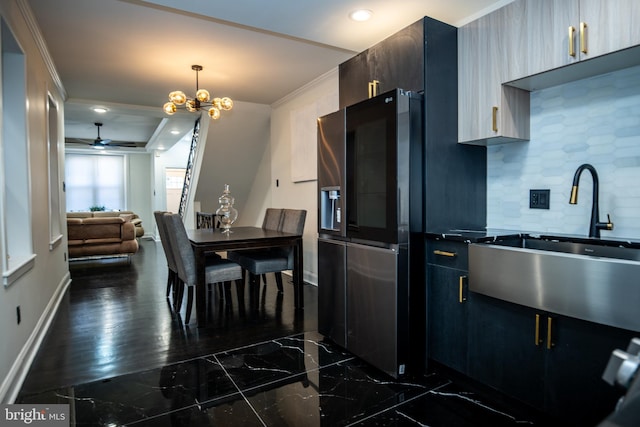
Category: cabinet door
[447,316]
[575,390]
[547,33]
[562,32]
[503,352]
[487,110]
[354,77]
[396,62]
[612,25]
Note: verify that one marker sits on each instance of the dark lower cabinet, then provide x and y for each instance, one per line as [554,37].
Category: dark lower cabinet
[502,349]
[574,367]
[551,362]
[447,291]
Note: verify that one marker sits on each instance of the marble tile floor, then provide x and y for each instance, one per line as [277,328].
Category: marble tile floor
[119,355]
[299,380]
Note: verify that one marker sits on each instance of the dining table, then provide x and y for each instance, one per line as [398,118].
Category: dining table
[207,240]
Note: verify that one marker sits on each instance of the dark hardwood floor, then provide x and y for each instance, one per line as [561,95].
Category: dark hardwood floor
[115,319]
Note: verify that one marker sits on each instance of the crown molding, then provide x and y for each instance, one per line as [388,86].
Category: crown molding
[329,75]
[34,29]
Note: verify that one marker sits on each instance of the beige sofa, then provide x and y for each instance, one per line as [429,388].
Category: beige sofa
[137,222]
[90,236]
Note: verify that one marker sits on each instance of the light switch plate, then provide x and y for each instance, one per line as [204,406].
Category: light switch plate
[539,199]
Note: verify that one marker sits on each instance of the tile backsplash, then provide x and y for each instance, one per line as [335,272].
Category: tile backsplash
[596,121]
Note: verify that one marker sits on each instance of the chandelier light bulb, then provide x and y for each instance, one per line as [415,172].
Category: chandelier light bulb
[202,95]
[226,103]
[191,105]
[170,108]
[178,97]
[214,113]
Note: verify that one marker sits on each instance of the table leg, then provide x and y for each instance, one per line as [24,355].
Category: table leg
[298,275]
[201,286]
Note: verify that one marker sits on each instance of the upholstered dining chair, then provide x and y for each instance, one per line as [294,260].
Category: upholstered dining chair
[276,260]
[271,221]
[217,270]
[168,253]
[207,220]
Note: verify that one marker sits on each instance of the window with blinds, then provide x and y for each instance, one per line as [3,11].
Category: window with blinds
[94,181]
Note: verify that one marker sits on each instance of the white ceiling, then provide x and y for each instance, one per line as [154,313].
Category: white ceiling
[127,55]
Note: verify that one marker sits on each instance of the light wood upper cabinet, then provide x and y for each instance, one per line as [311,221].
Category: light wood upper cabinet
[534,44]
[489,112]
[563,32]
[612,25]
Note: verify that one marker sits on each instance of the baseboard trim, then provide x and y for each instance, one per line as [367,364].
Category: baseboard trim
[310,278]
[12,384]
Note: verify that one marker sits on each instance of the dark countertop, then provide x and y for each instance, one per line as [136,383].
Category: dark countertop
[472,236]
[493,234]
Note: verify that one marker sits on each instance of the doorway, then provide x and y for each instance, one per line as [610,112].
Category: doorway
[174,183]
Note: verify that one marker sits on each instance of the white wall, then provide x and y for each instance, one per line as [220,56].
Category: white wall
[323,93]
[596,121]
[236,146]
[37,292]
[139,189]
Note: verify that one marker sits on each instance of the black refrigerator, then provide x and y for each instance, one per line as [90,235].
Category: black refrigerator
[370,229]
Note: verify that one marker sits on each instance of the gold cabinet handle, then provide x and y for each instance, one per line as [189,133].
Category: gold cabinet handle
[572,46]
[461,297]
[583,37]
[373,88]
[444,253]
[494,119]
[537,337]
[549,334]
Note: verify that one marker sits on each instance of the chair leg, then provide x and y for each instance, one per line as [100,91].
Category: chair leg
[254,290]
[240,294]
[189,304]
[279,281]
[169,282]
[264,279]
[178,290]
[240,289]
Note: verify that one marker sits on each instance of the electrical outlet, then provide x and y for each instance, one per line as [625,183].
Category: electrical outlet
[539,199]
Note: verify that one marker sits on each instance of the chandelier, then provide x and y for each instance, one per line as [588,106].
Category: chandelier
[202,100]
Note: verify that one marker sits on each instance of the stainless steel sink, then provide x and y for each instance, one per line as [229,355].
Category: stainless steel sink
[594,249]
[589,281]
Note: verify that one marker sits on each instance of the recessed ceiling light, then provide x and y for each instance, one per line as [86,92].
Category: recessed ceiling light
[361,15]
[100,110]
[175,132]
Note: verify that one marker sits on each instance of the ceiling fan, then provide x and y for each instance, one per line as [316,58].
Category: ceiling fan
[100,144]
[99,141]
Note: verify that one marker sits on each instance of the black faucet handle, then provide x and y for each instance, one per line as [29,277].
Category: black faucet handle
[604,225]
[609,224]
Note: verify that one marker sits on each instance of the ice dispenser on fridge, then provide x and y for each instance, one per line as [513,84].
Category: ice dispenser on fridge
[331,177]
[330,212]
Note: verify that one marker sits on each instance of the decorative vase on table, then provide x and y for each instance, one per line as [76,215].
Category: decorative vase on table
[226,213]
